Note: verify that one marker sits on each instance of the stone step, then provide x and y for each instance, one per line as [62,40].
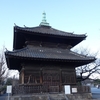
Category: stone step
[54,97]
[58,97]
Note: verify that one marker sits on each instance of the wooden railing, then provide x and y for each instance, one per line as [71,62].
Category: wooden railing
[30,89]
[26,89]
[81,89]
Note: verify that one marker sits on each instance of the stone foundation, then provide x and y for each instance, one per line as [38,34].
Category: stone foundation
[85,96]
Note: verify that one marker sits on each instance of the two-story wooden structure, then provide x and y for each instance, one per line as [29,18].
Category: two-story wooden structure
[43,57]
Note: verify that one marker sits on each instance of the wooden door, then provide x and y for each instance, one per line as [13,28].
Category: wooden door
[51,80]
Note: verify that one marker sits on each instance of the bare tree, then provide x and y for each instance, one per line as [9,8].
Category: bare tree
[85,71]
[3,68]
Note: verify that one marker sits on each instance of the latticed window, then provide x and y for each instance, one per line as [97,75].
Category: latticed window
[68,77]
[32,77]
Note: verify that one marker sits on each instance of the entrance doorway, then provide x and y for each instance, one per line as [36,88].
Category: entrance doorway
[51,80]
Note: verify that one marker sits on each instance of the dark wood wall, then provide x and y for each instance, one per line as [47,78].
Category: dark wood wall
[47,74]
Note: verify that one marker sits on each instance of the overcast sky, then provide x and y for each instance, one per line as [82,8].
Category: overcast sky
[78,16]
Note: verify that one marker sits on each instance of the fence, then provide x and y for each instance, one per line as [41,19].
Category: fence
[81,89]
[30,89]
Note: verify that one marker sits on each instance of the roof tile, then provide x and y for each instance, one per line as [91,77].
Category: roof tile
[47,53]
[49,30]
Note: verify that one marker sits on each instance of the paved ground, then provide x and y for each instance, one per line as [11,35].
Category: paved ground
[3,97]
[95,93]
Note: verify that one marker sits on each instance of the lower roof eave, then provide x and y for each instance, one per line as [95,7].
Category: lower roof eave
[84,61]
[73,63]
[52,59]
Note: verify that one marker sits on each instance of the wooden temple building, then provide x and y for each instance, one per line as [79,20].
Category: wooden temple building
[44,58]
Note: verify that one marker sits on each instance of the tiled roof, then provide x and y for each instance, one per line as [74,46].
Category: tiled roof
[48,30]
[47,53]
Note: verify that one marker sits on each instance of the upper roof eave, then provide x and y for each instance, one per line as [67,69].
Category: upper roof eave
[47,30]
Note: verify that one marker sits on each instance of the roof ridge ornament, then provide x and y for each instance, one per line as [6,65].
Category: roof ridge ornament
[44,22]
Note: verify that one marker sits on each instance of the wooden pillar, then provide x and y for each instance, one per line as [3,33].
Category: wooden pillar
[41,76]
[60,89]
[22,76]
